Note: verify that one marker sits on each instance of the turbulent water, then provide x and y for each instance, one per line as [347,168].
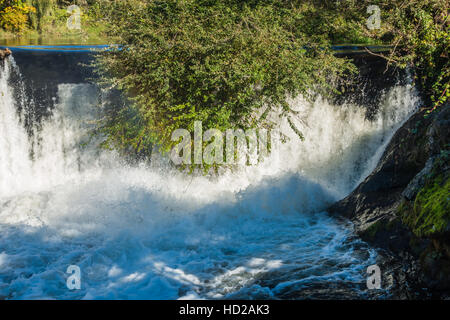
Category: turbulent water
[149,232]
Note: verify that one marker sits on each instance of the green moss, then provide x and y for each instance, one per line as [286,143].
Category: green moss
[372,231]
[380,225]
[404,208]
[430,214]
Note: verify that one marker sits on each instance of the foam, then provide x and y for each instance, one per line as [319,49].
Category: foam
[150,232]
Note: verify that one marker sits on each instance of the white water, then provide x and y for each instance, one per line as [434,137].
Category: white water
[152,233]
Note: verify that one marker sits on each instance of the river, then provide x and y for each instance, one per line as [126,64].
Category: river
[147,231]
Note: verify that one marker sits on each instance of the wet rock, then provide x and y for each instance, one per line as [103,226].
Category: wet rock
[391,207]
[380,193]
[399,170]
[418,181]
[5,53]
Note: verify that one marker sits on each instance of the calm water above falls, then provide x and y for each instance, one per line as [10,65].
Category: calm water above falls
[148,232]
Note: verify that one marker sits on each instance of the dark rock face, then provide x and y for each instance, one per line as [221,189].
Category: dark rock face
[4,53]
[387,207]
[42,72]
[418,181]
[379,194]
[412,147]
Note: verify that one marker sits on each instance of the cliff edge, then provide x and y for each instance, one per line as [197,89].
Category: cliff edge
[403,206]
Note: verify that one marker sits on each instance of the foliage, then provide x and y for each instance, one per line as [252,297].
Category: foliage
[49,18]
[219,62]
[420,35]
[43,8]
[431,211]
[428,215]
[14,15]
[224,62]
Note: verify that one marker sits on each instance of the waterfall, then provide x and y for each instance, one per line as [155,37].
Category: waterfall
[147,231]
[45,154]
[14,152]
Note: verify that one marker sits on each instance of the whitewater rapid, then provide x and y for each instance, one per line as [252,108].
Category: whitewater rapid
[150,232]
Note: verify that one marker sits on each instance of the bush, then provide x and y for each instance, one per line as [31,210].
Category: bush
[219,62]
[14,15]
[225,62]
[420,38]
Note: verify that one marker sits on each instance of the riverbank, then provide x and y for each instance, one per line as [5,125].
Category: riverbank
[38,39]
[403,205]
[52,22]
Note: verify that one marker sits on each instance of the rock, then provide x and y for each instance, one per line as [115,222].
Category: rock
[418,181]
[402,206]
[381,192]
[410,150]
[5,53]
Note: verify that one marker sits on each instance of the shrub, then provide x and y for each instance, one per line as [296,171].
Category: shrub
[220,62]
[14,15]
